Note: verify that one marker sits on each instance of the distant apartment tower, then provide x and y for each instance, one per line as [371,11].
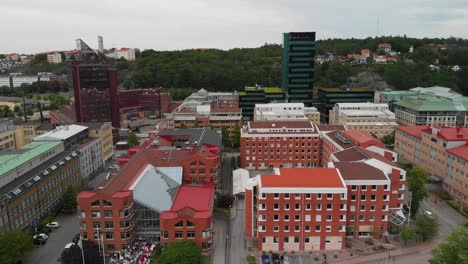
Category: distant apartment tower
[95,88]
[100,44]
[298,66]
[54,58]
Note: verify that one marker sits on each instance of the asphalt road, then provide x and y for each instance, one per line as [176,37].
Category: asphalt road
[51,251]
[226,171]
[219,239]
[237,244]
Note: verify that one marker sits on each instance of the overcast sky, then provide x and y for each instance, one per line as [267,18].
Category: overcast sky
[29,26]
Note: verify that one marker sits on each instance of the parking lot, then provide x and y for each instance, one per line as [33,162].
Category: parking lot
[51,251]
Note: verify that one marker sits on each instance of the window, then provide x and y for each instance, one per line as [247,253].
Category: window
[318,218]
[106,203]
[276,218]
[110,247]
[342,207]
[286,228]
[308,206]
[96,214]
[107,213]
[261,228]
[353,187]
[329,207]
[362,218]
[263,196]
[319,207]
[353,197]
[373,197]
[362,208]
[262,217]
[190,224]
[286,206]
[297,218]
[319,196]
[308,196]
[297,228]
[276,207]
[374,187]
[286,196]
[372,207]
[96,225]
[179,224]
[109,224]
[317,228]
[297,207]
[275,239]
[329,217]
[297,196]
[286,239]
[179,234]
[110,236]
[329,196]
[83,224]
[83,214]
[342,217]
[95,203]
[262,206]
[286,217]
[364,187]
[276,196]
[307,228]
[275,228]
[296,239]
[363,197]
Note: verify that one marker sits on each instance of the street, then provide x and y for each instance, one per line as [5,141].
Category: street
[51,251]
[237,245]
[219,239]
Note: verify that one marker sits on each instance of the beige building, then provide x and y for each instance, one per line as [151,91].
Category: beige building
[375,119]
[102,130]
[442,152]
[286,112]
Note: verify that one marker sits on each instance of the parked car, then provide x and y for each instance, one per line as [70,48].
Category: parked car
[266,259]
[40,239]
[53,225]
[429,214]
[276,258]
[114,167]
[76,238]
[69,245]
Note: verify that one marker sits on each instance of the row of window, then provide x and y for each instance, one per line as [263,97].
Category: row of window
[297,228]
[281,138]
[307,240]
[297,196]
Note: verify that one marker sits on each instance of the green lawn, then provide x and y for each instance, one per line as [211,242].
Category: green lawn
[205,260]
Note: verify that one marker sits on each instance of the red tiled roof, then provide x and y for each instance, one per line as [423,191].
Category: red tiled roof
[280,124]
[197,197]
[303,177]
[460,151]
[452,133]
[86,194]
[357,154]
[359,171]
[362,139]
[415,131]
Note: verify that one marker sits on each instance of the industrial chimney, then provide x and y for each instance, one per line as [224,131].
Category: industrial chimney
[100,44]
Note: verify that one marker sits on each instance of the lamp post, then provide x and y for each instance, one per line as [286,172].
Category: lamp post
[409,205]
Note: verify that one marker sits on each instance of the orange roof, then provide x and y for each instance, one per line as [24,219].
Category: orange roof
[303,178]
[362,139]
[452,133]
[460,151]
[415,131]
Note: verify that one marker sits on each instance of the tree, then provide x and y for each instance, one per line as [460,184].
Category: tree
[69,200]
[13,246]
[74,255]
[407,234]
[16,109]
[185,252]
[454,251]
[183,126]
[416,179]
[196,125]
[132,139]
[225,136]
[29,112]
[237,135]
[389,139]
[426,227]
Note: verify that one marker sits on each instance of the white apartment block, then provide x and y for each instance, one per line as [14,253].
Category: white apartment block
[372,118]
[54,58]
[285,112]
[91,158]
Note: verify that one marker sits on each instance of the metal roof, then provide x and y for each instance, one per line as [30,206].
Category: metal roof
[61,133]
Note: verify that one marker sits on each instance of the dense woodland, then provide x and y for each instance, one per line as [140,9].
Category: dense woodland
[233,69]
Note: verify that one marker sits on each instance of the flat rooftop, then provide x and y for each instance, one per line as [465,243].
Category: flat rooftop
[280,124]
[61,132]
[11,159]
[303,178]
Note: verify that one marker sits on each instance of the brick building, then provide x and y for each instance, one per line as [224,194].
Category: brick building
[304,209]
[441,151]
[156,179]
[266,144]
[190,217]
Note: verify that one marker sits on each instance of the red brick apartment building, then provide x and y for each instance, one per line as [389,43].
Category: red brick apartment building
[267,144]
[158,179]
[441,151]
[303,209]
[190,217]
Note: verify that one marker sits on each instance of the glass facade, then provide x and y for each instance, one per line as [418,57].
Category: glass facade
[147,226]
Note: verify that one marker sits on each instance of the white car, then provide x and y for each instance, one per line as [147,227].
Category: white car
[428,214]
[114,167]
[69,245]
[40,239]
[53,225]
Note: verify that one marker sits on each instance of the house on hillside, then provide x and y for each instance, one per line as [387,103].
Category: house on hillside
[386,47]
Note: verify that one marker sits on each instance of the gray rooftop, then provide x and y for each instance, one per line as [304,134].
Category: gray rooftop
[201,136]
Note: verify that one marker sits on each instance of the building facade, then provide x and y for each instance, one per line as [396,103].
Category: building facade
[91,158]
[329,97]
[103,131]
[258,95]
[267,144]
[375,119]
[298,66]
[285,112]
[33,181]
[54,58]
[439,151]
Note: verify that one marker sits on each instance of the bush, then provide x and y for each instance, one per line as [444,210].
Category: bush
[444,195]
[456,206]
[251,259]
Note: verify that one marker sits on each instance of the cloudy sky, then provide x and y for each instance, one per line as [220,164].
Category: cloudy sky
[30,26]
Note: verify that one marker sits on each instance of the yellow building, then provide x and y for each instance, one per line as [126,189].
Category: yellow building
[375,119]
[102,130]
